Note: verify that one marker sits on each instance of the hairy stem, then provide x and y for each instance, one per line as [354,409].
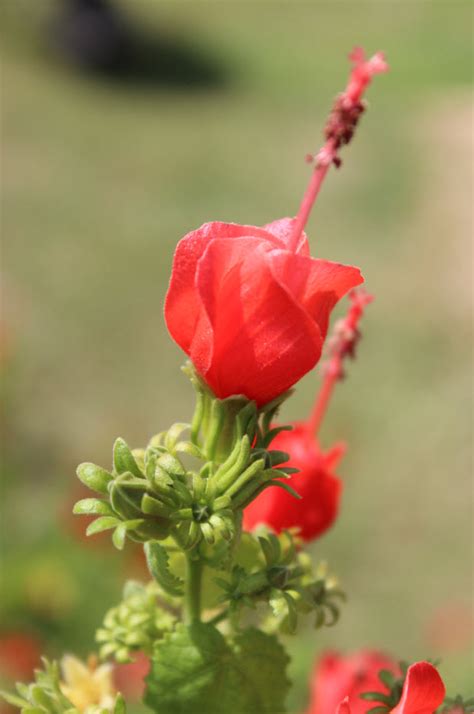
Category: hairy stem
[193,590]
[317,178]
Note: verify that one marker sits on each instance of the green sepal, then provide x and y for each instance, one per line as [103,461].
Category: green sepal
[13,699]
[94,477]
[104,523]
[158,564]
[93,506]
[124,460]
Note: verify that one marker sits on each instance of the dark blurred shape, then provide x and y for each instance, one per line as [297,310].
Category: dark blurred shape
[95,37]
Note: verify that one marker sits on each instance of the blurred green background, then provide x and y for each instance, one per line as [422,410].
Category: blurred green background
[102,176]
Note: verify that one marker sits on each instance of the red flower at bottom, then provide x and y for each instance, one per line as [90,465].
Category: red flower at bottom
[423,690]
[19,655]
[336,677]
[130,678]
[319,488]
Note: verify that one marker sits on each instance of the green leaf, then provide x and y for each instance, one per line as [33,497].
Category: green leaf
[376,697]
[285,487]
[158,564]
[91,506]
[13,699]
[263,662]
[195,670]
[94,477]
[387,677]
[120,706]
[101,524]
[119,536]
[124,460]
[192,671]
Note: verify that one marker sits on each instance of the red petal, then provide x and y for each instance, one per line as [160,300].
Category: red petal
[317,284]
[423,690]
[182,304]
[344,707]
[263,340]
[320,490]
[335,454]
[283,229]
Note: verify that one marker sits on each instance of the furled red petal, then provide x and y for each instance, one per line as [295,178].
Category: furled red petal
[283,229]
[320,490]
[316,284]
[423,690]
[344,707]
[263,340]
[182,304]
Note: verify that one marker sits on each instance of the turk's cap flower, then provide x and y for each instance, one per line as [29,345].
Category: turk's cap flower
[315,481]
[20,653]
[420,691]
[423,690]
[341,679]
[251,310]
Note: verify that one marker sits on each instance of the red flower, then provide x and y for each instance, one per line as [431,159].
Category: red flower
[130,678]
[250,307]
[19,655]
[336,677]
[423,690]
[316,483]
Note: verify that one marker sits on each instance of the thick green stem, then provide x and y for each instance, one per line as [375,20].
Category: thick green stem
[193,590]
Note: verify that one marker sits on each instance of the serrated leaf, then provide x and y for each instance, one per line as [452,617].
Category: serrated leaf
[92,506]
[263,661]
[195,670]
[94,477]
[124,460]
[158,564]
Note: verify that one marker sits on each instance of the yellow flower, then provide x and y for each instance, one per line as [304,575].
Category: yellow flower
[87,685]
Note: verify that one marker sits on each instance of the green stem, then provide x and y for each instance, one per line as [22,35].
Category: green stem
[218,618]
[193,590]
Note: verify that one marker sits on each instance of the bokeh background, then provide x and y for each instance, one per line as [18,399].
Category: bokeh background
[109,157]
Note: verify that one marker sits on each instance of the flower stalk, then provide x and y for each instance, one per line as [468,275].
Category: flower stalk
[339,130]
[193,589]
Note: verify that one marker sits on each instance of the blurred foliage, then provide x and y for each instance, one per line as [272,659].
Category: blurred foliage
[102,177]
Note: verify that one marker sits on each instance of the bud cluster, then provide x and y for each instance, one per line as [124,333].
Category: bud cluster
[285,579]
[136,623]
[152,494]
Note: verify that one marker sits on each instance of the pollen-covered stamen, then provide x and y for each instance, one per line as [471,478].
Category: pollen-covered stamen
[341,344]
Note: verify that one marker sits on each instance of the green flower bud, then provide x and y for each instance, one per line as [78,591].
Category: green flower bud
[135,624]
